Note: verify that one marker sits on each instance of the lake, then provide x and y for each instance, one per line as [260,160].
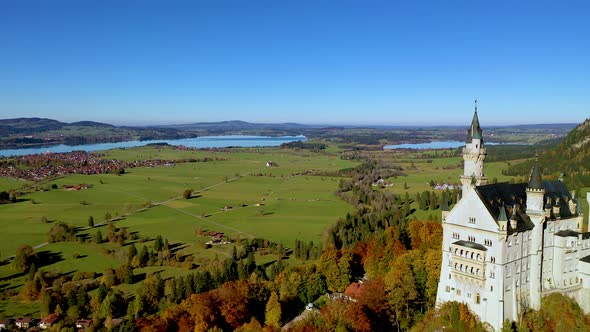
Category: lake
[430,145]
[198,142]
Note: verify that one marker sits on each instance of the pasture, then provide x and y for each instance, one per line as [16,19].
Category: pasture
[291,204]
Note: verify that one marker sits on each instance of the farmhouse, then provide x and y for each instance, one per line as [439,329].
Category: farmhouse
[505,246]
[48,321]
[24,323]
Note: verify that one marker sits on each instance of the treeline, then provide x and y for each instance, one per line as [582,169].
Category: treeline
[313,146]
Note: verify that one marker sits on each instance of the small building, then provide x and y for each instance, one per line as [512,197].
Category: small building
[83,323]
[24,323]
[49,321]
[4,323]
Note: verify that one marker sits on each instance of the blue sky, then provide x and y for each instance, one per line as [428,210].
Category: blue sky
[337,62]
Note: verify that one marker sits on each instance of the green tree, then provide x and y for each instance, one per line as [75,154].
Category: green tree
[158,244]
[25,256]
[131,253]
[98,237]
[90,221]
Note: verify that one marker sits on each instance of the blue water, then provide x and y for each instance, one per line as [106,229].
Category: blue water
[198,142]
[429,145]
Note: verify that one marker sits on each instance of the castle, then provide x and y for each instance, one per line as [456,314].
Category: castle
[505,246]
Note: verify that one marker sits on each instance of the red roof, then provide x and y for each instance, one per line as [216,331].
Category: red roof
[51,319]
[353,290]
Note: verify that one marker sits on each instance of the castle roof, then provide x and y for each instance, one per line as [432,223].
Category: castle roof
[508,199]
[535,179]
[567,233]
[471,245]
[474,130]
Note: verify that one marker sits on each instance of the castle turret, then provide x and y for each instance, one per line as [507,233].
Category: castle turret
[474,154]
[535,193]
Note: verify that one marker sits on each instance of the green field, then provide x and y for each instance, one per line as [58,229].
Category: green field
[294,205]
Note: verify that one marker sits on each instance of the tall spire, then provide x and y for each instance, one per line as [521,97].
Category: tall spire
[536,179]
[474,130]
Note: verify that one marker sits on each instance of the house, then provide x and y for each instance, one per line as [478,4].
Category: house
[354,290]
[507,245]
[4,323]
[48,321]
[83,323]
[24,323]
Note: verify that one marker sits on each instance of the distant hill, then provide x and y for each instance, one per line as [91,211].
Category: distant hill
[28,125]
[571,157]
[90,124]
[237,125]
[37,132]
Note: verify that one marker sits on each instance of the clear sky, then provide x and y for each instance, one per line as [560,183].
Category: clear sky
[337,62]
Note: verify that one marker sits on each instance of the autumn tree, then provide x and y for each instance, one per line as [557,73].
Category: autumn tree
[273,311]
[401,291]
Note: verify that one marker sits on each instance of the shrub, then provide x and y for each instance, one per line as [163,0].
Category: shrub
[61,232]
[187,193]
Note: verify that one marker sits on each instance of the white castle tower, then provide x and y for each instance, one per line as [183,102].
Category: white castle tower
[474,154]
[535,192]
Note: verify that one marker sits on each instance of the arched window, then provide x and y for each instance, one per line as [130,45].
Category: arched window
[477,298]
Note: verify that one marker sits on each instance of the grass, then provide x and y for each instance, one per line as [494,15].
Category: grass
[8,184]
[275,203]
[295,205]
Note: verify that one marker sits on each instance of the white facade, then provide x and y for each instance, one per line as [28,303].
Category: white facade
[505,246]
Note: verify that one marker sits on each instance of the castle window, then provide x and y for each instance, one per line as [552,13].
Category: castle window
[458,292]
[491,288]
[448,289]
[472,220]
[477,298]
[471,238]
[492,259]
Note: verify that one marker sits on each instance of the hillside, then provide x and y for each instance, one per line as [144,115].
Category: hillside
[35,132]
[571,157]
